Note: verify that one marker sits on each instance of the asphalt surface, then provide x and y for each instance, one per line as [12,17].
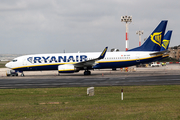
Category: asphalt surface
[88,82]
[143,76]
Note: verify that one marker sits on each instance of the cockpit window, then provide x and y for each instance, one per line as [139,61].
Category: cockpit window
[14,60]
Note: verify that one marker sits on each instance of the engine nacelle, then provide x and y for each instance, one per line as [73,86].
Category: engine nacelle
[67,68]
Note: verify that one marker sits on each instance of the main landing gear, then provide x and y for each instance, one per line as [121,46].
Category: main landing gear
[22,74]
[87,72]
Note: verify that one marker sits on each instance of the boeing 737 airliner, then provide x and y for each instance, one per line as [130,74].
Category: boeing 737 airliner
[150,51]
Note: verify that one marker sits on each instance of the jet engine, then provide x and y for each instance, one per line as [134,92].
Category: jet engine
[67,68]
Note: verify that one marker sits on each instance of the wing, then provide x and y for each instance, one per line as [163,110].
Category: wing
[92,61]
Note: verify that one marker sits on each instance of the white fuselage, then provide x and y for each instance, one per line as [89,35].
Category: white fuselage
[52,61]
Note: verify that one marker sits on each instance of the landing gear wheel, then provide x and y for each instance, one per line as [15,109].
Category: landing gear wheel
[113,68]
[22,75]
[87,72]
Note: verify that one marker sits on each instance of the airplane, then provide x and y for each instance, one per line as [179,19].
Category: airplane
[74,62]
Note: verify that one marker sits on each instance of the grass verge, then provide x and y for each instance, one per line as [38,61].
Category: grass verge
[140,102]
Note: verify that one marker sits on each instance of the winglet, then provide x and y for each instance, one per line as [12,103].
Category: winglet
[103,53]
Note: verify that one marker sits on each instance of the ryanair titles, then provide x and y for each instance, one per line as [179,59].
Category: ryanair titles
[57,59]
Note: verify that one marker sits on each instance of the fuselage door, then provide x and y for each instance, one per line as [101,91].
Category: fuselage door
[137,57]
[24,61]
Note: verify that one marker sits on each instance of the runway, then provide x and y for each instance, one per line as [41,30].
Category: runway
[168,75]
[89,81]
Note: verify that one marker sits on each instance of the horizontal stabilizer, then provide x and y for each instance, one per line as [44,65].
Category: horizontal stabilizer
[160,52]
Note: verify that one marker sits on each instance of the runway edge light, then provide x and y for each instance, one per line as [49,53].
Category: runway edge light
[121,94]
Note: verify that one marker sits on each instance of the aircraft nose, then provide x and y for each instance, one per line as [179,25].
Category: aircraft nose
[7,65]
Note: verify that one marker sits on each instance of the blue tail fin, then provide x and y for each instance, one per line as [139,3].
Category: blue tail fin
[166,41]
[153,43]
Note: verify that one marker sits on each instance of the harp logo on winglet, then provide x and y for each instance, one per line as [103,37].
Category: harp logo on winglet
[156,38]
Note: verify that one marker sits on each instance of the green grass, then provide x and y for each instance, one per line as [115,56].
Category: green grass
[140,102]
[2,64]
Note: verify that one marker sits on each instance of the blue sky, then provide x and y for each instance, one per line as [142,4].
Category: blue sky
[52,26]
